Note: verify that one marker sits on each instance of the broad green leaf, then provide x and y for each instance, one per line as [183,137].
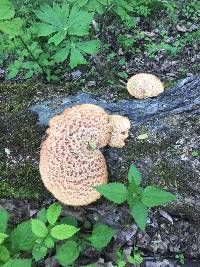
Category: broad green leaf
[6,10]
[76,58]
[18,263]
[67,253]
[139,212]
[53,213]
[39,228]
[95,5]
[4,254]
[42,215]
[4,217]
[89,47]
[2,237]
[62,54]
[63,231]
[22,237]
[11,27]
[153,196]
[115,192]
[134,175]
[101,236]
[39,252]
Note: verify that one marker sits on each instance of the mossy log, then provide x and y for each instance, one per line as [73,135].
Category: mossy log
[168,157]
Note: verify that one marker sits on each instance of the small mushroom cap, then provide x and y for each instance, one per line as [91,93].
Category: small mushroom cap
[69,167]
[120,128]
[144,85]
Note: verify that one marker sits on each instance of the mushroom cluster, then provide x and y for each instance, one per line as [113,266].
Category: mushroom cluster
[70,159]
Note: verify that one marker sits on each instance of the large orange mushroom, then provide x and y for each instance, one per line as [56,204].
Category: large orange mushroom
[70,159]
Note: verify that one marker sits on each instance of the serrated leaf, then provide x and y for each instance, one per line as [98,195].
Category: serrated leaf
[18,263]
[101,236]
[39,252]
[39,228]
[53,213]
[67,253]
[4,217]
[63,231]
[115,192]
[134,175]
[6,10]
[2,237]
[22,237]
[139,212]
[4,254]
[89,47]
[76,58]
[153,196]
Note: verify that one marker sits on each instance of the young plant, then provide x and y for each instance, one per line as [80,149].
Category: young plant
[48,233]
[138,198]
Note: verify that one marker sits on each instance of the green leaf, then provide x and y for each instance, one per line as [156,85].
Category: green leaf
[139,212]
[2,237]
[4,217]
[28,74]
[4,254]
[70,220]
[58,37]
[11,27]
[67,253]
[134,175]
[63,231]
[62,54]
[6,10]
[79,21]
[43,29]
[152,196]
[115,192]
[76,58]
[42,215]
[53,213]
[49,242]
[39,252]
[39,228]
[101,236]
[142,136]
[22,237]
[18,263]
[89,47]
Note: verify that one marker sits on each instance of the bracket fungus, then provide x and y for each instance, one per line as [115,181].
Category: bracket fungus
[144,85]
[69,165]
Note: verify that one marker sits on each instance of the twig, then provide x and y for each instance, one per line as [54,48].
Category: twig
[25,45]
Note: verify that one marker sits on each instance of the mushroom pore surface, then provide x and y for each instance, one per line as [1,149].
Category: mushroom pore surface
[69,166]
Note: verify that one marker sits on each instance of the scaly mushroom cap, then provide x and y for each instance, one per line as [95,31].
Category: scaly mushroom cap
[69,166]
[120,128]
[144,85]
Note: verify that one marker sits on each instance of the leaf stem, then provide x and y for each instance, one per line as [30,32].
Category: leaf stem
[25,45]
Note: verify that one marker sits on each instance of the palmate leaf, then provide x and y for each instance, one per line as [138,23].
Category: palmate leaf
[77,51]
[11,27]
[62,21]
